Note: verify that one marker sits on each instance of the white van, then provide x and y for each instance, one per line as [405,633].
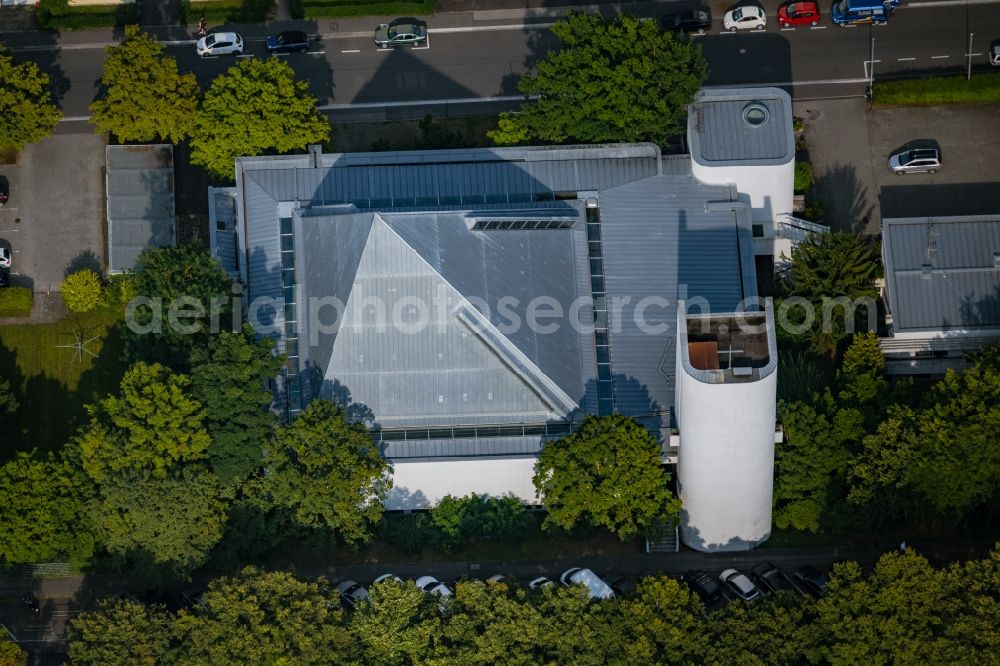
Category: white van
[596,587]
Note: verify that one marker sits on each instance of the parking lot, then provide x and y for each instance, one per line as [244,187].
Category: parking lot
[54,219]
[849,148]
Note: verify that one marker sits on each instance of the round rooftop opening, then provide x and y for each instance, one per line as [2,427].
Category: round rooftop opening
[755,114]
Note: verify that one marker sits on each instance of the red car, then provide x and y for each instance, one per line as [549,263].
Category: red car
[798,13]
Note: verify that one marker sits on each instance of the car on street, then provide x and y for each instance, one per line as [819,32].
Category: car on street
[4,190]
[994,53]
[810,580]
[539,583]
[915,160]
[770,579]
[798,13]
[220,43]
[705,586]
[432,585]
[692,20]
[596,588]
[5,257]
[744,17]
[351,593]
[401,32]
[289,41]
[739,585]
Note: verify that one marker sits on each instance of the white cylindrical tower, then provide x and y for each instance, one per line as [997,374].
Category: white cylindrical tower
[725,407]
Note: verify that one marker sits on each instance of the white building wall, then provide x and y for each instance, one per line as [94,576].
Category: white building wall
[419,485]
[768,188]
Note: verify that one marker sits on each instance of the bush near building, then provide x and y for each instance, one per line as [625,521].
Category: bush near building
[81,291]
[226,11]
[58,15]
[955,89]
[334,8]
[15,302]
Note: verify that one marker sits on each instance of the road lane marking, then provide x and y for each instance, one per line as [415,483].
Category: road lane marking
[351,51]
[819,27]
[939,57]
[971,55]
[788,30]
[903,59]
[421,102]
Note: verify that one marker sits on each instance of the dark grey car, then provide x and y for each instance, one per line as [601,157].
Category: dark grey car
[401,32]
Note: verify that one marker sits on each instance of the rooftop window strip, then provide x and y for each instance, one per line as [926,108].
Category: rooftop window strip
[595,252]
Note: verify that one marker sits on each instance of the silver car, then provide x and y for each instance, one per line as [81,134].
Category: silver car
[400,32]
[220,43]
[915,160]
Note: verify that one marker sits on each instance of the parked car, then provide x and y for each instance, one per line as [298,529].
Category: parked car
[770,579]
[798,13]
[744,17]
[705,586]
[810,580]
[4,190]
[6,257]
[432,585]
[220,43]
[385,577]
[497,579]
[994,53]
[539,583]
[596,588]
[692,20]
[739,585]
[351,593]
[401,32]
[288,42]
[915,160]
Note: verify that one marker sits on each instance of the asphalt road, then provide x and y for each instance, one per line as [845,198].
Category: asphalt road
[473,59]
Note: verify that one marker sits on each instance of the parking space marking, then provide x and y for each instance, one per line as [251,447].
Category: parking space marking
[819,27]
[971,55]
[788,30]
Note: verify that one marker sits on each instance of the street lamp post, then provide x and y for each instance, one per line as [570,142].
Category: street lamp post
[968,71]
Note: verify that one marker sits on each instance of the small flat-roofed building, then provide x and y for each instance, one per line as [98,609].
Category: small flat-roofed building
[942,291]
[140,202]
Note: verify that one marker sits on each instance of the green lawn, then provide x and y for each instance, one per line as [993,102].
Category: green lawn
[51,385]
[954,89]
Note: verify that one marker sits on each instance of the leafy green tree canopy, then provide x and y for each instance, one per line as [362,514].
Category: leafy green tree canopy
[607,474]
[831,265]
[27,112]
[229,377]
[327,472]
[43,511]
[146,98]
[81,290]
[257,107]
[121,632]
[8,401]
[608,80]
[396,625]
[153,425]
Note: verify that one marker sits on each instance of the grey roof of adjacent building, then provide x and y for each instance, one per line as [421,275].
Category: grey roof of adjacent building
[140,202]
[222,227]
[943,273]
[720,134]
[405,226]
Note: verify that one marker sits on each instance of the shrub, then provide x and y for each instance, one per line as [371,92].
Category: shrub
[11,653]
[81,290]
[459,520]
[333,8]
[15,302]
[119,291]
[58,15]
[803,176]
[410,532]
[227,11]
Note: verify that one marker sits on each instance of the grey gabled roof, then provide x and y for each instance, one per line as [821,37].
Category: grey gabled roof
[720,136]
[942,273]
[140,202]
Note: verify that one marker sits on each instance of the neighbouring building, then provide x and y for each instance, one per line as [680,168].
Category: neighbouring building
[942,291]
[140,202]
[471,305]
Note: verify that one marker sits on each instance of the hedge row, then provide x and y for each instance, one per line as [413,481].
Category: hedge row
[337,8]
[226,11]
[15,301]
[58,15]
[940,90]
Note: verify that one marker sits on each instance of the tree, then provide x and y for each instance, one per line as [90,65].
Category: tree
[609,80]
[256,107]
[11,653]
[328,473]
[162,525]
[188,279]
[229,377]
[81,290]
[780,631]
[145,97]
[396,626]
[121,632]
[27,113]
[152,426]
[607,473]
[8,402]
[661,624]
[477,517]
[43,511]
[264,618]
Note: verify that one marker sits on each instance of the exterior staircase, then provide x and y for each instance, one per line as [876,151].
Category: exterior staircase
[663,538]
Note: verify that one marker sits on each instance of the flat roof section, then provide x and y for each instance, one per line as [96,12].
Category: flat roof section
[140,202]
[745,127]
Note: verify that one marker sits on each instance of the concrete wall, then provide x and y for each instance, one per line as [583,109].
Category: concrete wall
[768,189]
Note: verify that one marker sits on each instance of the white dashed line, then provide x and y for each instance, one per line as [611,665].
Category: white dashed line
[971,55]
[819,27]
[788,30]
[939,57]
[351,51]
[904,59]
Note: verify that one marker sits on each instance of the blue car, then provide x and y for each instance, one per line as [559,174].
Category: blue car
[855,12]
[289,41]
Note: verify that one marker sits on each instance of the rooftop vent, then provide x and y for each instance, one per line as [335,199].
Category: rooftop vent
[756,114]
